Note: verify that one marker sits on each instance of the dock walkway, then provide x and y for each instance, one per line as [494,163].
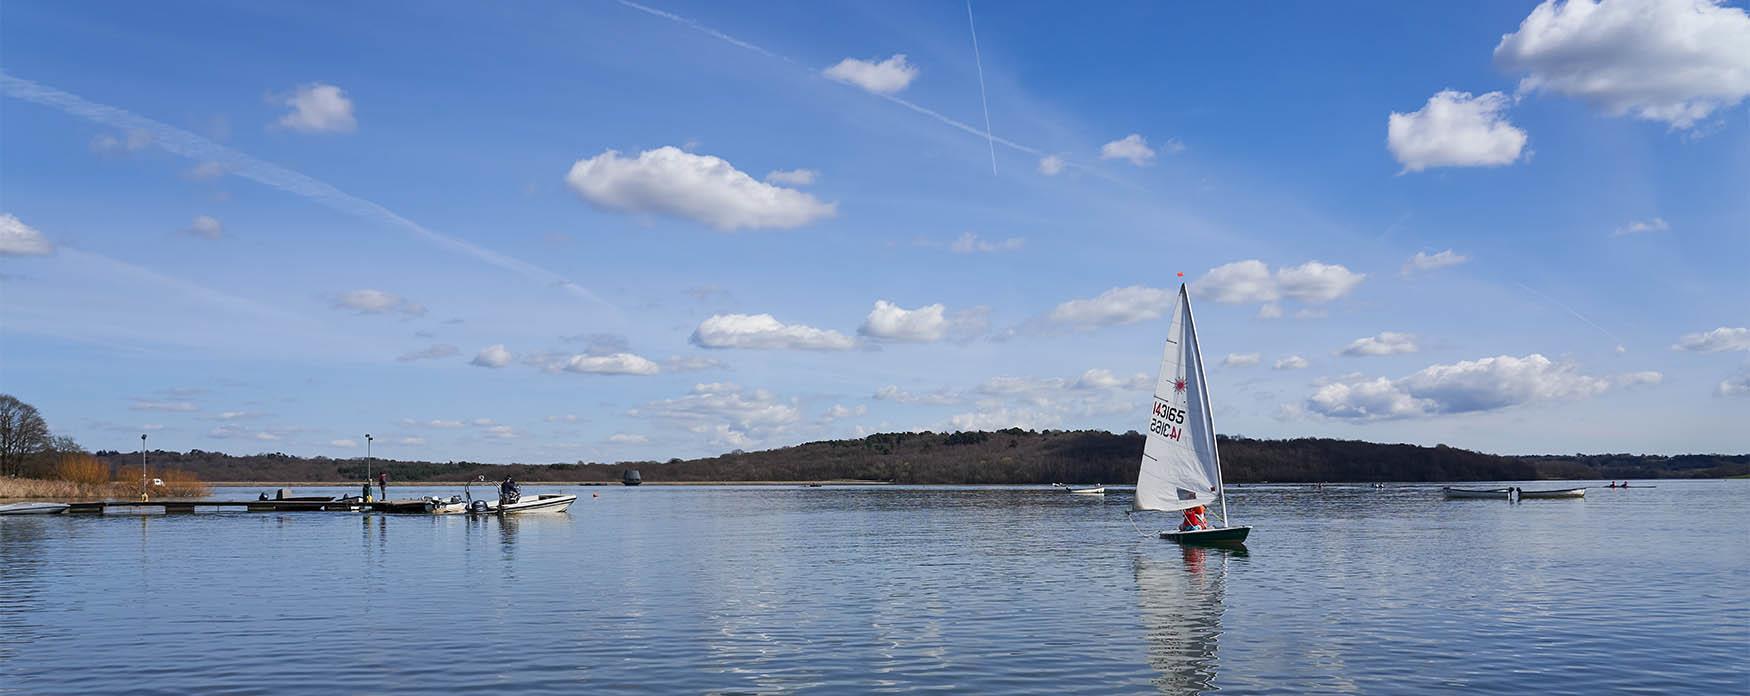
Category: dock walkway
[271,505]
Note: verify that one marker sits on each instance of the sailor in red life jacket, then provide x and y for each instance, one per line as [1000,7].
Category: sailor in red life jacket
[1193,519]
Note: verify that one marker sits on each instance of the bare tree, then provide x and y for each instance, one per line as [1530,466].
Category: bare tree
[23,434]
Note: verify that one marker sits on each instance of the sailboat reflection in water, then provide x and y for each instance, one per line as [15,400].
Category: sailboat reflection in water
[1181,614]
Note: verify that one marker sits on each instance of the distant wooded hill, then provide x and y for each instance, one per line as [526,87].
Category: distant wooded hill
[1004,456]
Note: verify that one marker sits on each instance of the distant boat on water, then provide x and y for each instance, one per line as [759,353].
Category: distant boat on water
[631,478]
[1506,493]
[1181,468]
[1082,490]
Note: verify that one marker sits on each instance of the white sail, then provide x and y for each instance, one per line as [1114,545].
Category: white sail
[1179,465]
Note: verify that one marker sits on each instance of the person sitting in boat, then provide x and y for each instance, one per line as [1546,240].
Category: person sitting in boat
[1193,520]
[509,492]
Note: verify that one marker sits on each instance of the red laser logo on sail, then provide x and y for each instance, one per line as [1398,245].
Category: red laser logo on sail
[1179,384]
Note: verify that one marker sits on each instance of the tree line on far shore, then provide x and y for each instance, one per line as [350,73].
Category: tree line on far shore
[1004,456]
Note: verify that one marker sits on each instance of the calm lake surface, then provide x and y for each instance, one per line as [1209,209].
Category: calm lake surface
[892,589]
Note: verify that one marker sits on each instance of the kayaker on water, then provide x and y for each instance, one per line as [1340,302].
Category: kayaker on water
[1193,519]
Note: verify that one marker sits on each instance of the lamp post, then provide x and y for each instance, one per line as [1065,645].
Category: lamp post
[143,480]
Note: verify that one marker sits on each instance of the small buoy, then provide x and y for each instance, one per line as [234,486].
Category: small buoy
[595,495]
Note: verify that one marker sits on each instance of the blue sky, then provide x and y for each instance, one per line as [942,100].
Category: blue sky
[560,231]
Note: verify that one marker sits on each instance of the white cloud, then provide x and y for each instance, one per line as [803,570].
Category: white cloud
[135,141]
[483,422]
[1316,282]
[411,441]
[926,324]
[368,301]
[236,415]
[207,170]
[692,363]
[1474,385]
[1738,385]
[999,417]
[940,397]
[1455,129]
[1241,359]
[441,350]
[1422,261]
[345,443]
[318,108]
[1386,343]
[501,432]
[1721,339]
[763,331]
[1050,165]
[726,413]
[1117,306]
[886,77]
[1133,148]
[167,406]
[841,412]
[206,227]
[671,181]
[1641,227]
[19,239]
[1101,378]
[1291,362]
[1674,61]
[567,418]
[793,177]
[1240,282]
[628,439]
[615,364]
[1244,282]
[1270,311]
[494,356]
[969,243]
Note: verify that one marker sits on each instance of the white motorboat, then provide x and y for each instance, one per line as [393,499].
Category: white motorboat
[1083,490]
[453,505]
[33,508]
[545,502]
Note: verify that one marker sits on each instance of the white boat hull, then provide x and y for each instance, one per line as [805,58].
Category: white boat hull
[1101,490]
[546,502]
[33,508]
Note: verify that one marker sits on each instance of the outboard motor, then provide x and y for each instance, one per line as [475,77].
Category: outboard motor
[478,507]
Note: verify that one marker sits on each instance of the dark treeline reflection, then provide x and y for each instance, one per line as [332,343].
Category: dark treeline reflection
[1004,456]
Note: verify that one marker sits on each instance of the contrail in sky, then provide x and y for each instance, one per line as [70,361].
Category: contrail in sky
[1577,315]
[986,134]
[186,144]
[982,98]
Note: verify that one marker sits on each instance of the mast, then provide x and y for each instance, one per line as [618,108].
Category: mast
[1203,393]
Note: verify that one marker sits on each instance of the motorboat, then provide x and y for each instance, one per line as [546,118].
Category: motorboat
[1082,490]
[33,508]
[545,502]
[453,505]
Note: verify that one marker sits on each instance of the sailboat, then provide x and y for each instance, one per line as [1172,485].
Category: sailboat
[1181,468]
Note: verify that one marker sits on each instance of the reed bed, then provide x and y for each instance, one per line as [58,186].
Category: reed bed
[78,475]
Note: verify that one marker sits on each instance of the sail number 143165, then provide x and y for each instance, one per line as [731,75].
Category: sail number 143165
[1167,420]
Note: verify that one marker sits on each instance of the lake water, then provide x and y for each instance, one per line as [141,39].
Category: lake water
[892,589]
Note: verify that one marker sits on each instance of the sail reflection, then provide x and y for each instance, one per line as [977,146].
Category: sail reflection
[1181,603]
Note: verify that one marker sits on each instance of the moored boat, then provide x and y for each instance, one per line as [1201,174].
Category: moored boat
[1560,493]
[545,502]
[1496,493]
[33,508]
[1096,489]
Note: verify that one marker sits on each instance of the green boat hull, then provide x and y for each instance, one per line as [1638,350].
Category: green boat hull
[1227,536]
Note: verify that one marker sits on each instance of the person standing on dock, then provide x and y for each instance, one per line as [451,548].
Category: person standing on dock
[383,484]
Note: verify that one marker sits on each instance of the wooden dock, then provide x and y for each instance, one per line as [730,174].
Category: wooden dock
[272,505]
